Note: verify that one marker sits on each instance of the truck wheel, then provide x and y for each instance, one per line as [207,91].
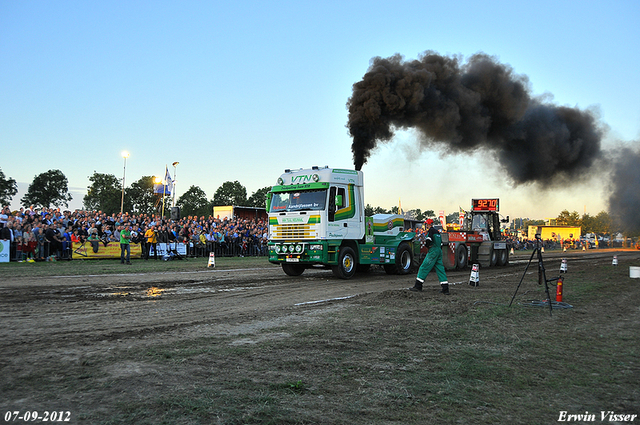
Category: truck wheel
[503,257]
[346,267]
[461,257]
[404,261]
[292,269]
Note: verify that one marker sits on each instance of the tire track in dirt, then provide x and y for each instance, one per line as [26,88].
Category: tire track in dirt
[43,316]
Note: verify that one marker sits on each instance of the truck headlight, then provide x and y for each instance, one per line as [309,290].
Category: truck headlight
[291,248]
[298,249]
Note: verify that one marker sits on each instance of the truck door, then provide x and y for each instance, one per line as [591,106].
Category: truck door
[344,219]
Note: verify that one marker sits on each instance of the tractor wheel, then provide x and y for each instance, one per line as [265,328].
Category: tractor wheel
[487,256]
[346,267]
[461,257]
[503,257]
[292,269]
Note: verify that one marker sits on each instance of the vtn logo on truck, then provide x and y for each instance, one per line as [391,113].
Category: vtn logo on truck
[304,178]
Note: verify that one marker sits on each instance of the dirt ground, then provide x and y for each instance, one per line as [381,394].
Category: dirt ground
[70,319]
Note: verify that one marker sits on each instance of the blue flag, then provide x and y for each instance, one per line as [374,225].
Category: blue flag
[165,187]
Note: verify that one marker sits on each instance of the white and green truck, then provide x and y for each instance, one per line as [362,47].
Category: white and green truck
[317,219]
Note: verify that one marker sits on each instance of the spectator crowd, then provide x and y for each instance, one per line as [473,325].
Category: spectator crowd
[48,233]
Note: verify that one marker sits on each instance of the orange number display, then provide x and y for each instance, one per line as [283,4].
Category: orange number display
[485,204]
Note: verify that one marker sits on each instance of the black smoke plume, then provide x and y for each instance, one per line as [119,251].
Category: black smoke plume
[479,105]
[624,201]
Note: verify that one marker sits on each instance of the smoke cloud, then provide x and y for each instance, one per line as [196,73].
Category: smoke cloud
[479,104]
[624,201]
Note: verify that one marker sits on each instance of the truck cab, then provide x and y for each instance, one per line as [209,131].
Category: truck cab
[316,218]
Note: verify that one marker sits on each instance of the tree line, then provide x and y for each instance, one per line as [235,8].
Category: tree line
[105,194]
[51,189]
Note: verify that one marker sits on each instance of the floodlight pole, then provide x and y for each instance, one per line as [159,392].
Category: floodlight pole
[125,155]
[164,187]
[173,203]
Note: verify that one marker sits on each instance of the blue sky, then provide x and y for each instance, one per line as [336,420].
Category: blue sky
[242,90]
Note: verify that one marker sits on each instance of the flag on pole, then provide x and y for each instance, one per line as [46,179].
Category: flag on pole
[168,181]
[165,187]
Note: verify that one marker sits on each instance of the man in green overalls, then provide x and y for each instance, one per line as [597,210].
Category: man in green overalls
[433,260]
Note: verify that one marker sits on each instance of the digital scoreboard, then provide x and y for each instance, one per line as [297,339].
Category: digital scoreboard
[484,204]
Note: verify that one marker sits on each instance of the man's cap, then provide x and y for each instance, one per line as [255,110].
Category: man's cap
[429,221]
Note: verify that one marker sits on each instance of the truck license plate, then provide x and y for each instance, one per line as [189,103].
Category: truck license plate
[293,260]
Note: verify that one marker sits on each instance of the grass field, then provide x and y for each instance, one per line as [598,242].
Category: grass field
[113,266]
[383,358]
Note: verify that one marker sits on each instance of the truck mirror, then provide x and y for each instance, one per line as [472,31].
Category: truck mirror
[338,200]
[268,201]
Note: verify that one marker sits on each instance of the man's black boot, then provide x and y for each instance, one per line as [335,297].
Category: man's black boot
[417,287]
[445,288]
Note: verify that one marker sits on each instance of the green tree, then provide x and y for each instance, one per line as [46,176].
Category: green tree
[230,193]
[524,223]
[166,211]
[588,224]
[141,197]
[418,214]
[47,189]
[104,193]
[567,218]
[428,214]
[194,202]
[8,188]
[258,198]
[368,210]
[528,222]
[453,217]
[603,223]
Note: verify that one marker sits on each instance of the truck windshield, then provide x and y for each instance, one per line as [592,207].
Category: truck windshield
[308,200]
[479,222]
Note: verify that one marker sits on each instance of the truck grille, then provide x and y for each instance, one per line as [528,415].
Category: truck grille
[293,231]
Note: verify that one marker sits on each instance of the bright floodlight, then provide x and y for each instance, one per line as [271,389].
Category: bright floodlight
[158,180]
[125,154]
